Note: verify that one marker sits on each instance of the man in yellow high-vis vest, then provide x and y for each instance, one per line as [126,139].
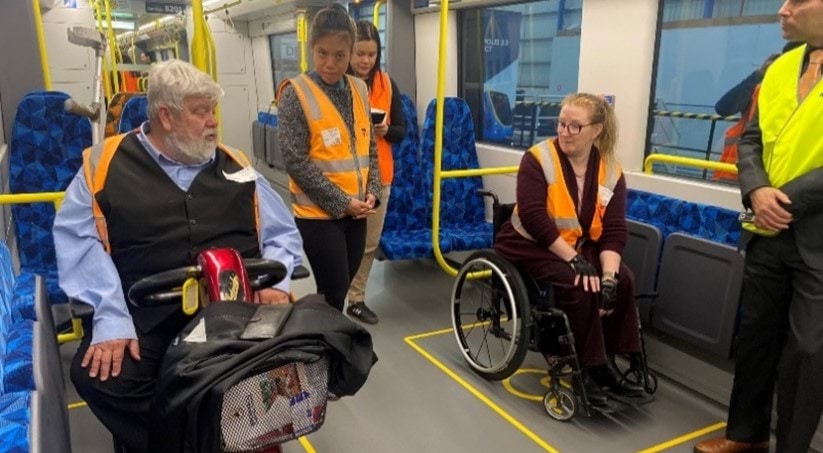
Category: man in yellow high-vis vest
[781,180]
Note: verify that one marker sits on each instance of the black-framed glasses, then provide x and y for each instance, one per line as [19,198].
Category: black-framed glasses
[573,128]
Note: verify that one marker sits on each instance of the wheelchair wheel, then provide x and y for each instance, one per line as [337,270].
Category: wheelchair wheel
[560,404]
[636,377]
[489,315]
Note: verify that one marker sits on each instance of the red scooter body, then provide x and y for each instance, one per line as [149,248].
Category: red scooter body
[226,277]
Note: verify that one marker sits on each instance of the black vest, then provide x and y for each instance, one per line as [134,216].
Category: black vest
[154,226]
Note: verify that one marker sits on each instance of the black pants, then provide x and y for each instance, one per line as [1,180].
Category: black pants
[124,404]
[334,249]
[780,339]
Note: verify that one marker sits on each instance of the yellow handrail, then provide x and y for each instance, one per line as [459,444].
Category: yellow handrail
[199,57]
[55,198]
[112,47]
[107,61]
[302,37]
[687,161]
[41,43]
[376,13]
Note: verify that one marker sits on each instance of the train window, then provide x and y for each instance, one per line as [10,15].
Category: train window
[526,62]
[285,57]
[711,55]
[365,11]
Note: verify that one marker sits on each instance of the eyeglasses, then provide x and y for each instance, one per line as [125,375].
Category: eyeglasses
[573,128]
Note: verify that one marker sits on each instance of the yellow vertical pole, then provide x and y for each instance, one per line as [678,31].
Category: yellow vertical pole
[302,38]
[112,47]
[438,139]
[41,42]
[106,61]
[198,40]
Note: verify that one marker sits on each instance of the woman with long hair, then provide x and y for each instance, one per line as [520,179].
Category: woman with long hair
[389,127]
[569,229]
[330,155]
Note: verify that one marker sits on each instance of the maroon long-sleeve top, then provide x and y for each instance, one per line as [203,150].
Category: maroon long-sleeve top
[531,205]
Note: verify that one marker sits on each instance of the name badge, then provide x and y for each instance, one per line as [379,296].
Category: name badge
[606,195]
[331,137]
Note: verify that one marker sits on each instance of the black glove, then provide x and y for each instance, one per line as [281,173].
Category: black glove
[581,267]
[608,294]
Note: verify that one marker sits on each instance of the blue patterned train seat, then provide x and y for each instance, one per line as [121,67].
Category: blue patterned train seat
[45,153]
[135,112]
[671,215]
[15,421]
[462,213]
[407,230]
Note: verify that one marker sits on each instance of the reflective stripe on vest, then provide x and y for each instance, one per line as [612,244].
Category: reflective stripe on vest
[559,202]
[96,160]
[380,97]
[343,159]
[792,143]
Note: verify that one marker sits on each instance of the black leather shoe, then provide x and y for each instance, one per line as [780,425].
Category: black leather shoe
[594,393]
[610,377]
[360,311]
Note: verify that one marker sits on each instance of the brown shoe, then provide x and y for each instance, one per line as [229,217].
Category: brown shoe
[723,445]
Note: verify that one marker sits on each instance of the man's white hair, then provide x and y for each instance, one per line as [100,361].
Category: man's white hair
[173,81]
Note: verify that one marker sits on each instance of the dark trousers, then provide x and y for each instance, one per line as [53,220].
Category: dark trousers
[334,249]
[124,404]
[594,336]
[780,339]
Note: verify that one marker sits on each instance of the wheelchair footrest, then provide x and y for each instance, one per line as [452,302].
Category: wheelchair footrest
[635,401]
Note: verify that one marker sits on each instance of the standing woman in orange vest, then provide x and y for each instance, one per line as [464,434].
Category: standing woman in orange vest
[569,229]
[330,155]
[384,98]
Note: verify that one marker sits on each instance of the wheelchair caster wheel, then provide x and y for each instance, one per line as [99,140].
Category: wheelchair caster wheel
[636,378]
[560,404]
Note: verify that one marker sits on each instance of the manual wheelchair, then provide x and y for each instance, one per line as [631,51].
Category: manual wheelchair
[499,313]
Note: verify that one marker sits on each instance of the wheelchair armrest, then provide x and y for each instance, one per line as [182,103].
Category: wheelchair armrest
[300,273]
[80,310]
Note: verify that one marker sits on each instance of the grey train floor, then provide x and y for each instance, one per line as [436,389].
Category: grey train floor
[409,404]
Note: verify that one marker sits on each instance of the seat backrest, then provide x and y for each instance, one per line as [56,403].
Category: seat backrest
[409,208]
[641,255]
[460,202]
[500,214]
[115,111]
[45,154]
[135,112]
[699,292]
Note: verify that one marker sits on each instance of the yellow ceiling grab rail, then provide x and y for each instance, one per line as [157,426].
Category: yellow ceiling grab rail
[302,38]
[686,161]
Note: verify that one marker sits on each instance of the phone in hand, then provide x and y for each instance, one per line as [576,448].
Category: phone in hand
[377,116]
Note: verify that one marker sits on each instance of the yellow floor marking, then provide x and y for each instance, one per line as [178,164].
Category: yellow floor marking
[505,415]
[304,441]
[507,384]
[684,438]
[77,405]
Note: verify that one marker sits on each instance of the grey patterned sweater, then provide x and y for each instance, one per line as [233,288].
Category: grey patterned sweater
[294,141]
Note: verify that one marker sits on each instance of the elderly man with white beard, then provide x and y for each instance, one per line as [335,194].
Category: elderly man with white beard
[149,201]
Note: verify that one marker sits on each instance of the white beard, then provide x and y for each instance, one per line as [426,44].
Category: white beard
[190,150]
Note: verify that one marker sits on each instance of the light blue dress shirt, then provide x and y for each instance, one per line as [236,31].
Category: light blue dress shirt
[88,274]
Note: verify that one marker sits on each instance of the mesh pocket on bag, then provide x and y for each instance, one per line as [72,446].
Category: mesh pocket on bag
[274,406]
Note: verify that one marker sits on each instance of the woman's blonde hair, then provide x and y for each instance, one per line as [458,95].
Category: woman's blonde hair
[601,113]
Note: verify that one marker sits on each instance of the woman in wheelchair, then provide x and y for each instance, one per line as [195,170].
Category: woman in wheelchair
[568,229]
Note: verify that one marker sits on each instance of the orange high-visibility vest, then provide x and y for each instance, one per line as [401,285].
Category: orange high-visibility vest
[380,97]
[559,202]
[733,134]
[343,159]
[96,161]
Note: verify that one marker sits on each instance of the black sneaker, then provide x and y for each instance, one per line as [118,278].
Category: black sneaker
[362,312]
